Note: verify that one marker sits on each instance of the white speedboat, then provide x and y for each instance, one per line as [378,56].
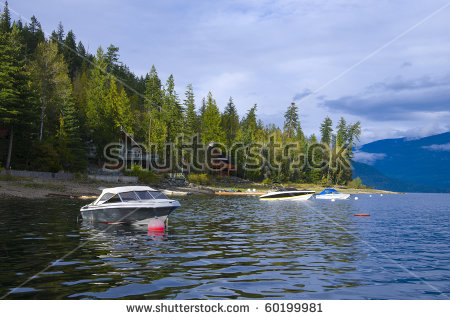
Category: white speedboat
[287,194]
[133,204]
[330,194]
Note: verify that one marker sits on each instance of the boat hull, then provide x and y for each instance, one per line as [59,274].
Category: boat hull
[129,214]
[301,197]
[340,196]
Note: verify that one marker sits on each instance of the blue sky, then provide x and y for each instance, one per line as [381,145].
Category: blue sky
[385,63]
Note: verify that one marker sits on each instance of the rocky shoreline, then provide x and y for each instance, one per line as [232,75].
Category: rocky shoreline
[38,188]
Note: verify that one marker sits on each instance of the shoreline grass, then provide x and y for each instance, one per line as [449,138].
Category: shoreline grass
[20,187]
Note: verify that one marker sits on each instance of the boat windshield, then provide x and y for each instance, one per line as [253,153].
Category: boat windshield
[115,198]
[144,195]
[131,196]
[158,195]
[329,191]
[128,196]
[105,197]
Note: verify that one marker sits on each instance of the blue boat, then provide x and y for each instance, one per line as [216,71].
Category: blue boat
[330,194]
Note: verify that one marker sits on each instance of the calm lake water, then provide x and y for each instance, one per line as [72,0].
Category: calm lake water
[232,247]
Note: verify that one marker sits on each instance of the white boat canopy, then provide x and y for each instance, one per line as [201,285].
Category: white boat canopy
[108,193]
[127,189]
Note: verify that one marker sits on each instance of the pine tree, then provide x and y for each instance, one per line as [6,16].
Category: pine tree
[341,135]
[291,120]
[70,54]
[201,112]
[80,86]
[343,151]
[107,105]
[314,159]
[49,73]
[111,57]
[71,149]
[5,20]
[153,105]
[230,122]
[299,133]
[247,135]
[116,111]
[202,108]
[60,35]
[33,35]
[353,134]
[249,125]
[292,133]
[173,111]
[96,90]
[125,114]
[81,50]
[17,101]
[190,126]
[19,25]
[60,32]
[326,131]
[212,132]
[96,93]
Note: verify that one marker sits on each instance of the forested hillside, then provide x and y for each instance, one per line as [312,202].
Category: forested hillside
[57,101]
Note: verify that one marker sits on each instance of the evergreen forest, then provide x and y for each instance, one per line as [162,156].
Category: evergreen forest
[58,101]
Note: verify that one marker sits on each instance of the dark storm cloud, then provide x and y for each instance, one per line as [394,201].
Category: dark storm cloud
[397,100]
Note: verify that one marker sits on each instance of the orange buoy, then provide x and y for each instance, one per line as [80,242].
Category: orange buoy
[362,215]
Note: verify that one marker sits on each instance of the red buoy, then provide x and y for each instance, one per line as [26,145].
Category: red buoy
[362,215]
[156,224]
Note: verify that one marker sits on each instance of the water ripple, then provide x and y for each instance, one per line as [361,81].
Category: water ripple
[229,248]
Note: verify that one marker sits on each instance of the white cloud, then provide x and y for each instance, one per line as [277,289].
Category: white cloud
[368,158]
[438,147]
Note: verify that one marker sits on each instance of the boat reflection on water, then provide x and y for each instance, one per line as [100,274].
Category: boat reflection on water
[122,250]
[317,239]
[98,232]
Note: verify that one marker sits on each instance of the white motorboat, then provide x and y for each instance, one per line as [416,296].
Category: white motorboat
[332,194]
[133,204]
[288,194]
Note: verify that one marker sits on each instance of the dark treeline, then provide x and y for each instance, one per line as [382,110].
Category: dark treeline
[57,100]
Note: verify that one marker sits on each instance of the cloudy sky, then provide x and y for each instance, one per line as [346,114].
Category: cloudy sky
[385,63]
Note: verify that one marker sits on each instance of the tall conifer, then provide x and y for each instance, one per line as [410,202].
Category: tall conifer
[18,103]
[190,118]
[212,132]
[230,122]
[291,120]
[5,19]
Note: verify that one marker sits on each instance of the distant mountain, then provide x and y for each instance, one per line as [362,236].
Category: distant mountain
[421,165]
[375,179]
